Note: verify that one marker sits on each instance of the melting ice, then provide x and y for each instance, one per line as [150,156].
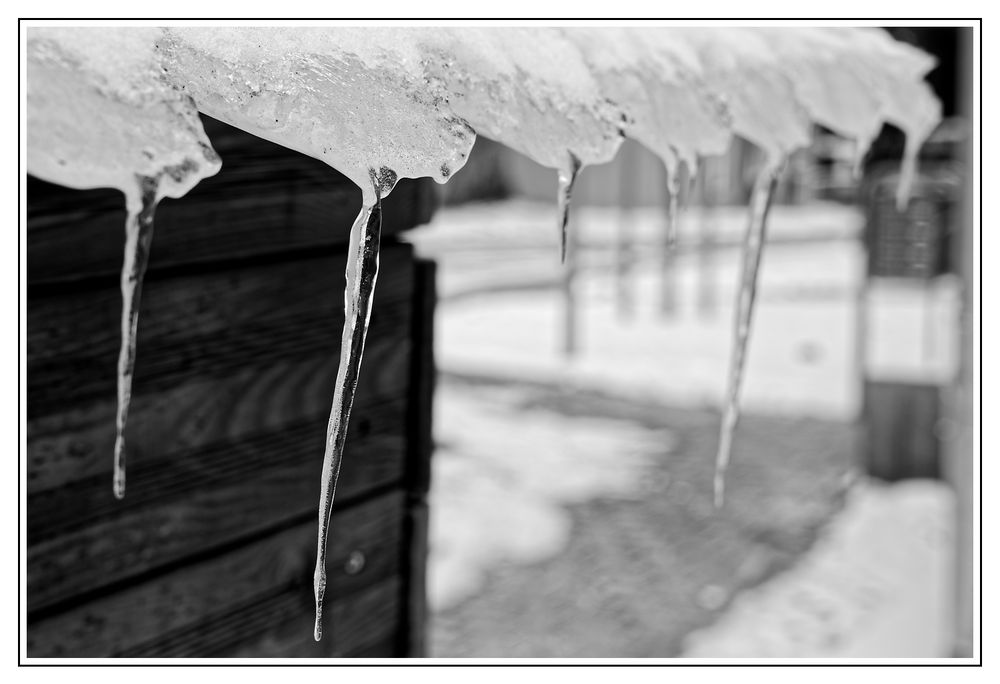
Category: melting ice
[362,270]
[117,107]
[101,114]
[753,248]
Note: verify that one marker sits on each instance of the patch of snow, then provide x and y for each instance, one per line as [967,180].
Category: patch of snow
[101,115]
[800,359]
[803,355]
[500,493]
[876,585]
[412,99]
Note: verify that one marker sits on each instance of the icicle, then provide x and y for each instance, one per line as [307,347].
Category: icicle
[566,181]
[362,271]
[760,203]
[673,193]
[668,295]
[567,177]
[138,237]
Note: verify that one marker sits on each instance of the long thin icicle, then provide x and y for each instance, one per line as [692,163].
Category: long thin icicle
[565,194]
[362,271]
[138,238]
[673,208]
[569,256]
[760,203]
[667,286]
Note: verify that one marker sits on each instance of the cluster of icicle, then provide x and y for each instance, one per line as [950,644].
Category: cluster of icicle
[117,107]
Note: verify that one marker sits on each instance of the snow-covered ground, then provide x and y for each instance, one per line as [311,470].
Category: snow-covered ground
[876,585]
[804,345]
[503,478]
[800,358]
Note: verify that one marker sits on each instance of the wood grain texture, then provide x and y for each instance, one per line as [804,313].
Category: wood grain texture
[211,553]
[183,427]
[197,326]
[364,625]
[252,458]
[196,609]
[214,459]
[188,515]
[265,200]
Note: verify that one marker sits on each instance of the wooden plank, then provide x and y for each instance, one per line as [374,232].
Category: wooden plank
[192,604]
[170,428]
[193,449]
[172,473]
[363,625]
[265,200]
[188,515]
[383,649]
[198,326]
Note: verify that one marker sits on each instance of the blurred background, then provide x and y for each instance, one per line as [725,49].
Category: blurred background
[577,408]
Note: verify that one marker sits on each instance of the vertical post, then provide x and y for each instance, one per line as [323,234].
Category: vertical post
[625,243]
[706,240]
[569,331]
[411,638]
[861,323]
[567,180]
[668,248]
[959,444]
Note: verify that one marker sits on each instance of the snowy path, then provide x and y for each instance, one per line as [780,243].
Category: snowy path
[503,481]
[877,583]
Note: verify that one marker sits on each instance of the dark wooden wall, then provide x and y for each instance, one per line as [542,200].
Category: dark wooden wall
[211,553]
